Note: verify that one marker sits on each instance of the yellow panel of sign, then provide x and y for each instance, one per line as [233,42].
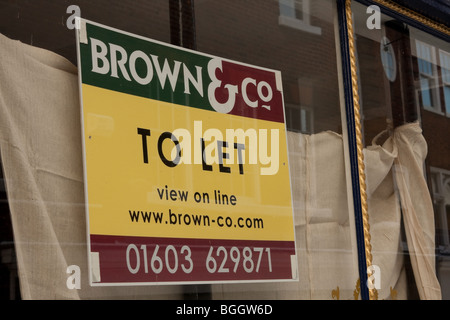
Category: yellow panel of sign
[130,195]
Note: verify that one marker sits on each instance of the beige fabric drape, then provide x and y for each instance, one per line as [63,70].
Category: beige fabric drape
[405,153]
[40,147]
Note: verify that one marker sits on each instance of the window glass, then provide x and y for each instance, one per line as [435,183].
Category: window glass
[49,24]
[405,120]
[42,209]
[43,232]
[299,39]
[426,60]
[445,67]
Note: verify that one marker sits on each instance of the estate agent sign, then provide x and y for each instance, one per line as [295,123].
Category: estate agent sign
[186,164]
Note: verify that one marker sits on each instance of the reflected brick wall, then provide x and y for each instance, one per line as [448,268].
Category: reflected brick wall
[42,23]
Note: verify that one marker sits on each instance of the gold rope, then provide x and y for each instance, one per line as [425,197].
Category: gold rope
[359,147]
[414,15]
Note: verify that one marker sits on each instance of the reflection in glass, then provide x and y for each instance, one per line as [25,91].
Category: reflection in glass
[405,120]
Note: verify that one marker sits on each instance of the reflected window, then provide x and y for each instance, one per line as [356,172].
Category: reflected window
[444,58]
[426,60]
[440,181]
[296,14]
[299,119]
